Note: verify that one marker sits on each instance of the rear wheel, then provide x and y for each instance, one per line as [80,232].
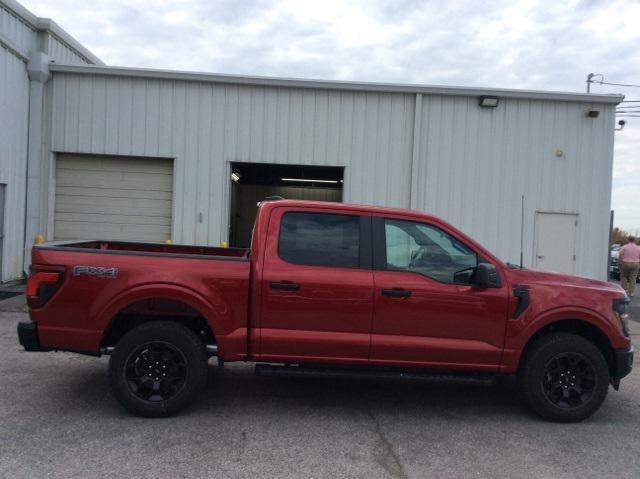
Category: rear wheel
[564,377]
[158,368]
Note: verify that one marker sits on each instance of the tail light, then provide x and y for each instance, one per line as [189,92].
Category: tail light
[41,285]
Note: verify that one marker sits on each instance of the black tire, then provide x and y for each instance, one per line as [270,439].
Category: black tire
[174,362]
[564,377]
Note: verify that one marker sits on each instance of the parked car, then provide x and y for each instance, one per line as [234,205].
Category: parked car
[329,289]
[614,266]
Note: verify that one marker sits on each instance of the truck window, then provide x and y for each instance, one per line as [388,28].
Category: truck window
[319,239]
[426,249]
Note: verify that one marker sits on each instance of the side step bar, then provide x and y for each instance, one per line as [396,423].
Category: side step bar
[475,379]
[212,349]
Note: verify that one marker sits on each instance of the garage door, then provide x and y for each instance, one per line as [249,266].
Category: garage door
[100,197]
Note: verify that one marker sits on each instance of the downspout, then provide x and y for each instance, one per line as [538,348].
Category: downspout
[415,153]
[39,74]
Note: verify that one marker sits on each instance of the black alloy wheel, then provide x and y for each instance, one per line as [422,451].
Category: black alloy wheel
[569,380]
[563,377]
[156,371]
[158,368]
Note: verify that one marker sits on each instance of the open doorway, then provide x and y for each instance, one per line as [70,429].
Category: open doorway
[253,182]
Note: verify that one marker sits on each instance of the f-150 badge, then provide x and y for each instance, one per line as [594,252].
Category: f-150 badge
[97,271]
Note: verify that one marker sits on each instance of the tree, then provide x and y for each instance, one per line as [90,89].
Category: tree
[619,236]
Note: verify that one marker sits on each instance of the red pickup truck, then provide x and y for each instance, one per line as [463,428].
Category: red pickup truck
[330,289]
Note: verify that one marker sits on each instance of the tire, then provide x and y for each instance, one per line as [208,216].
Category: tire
[158,368]
[564,378]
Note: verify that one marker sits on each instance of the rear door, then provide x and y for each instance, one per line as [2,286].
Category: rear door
[317,287]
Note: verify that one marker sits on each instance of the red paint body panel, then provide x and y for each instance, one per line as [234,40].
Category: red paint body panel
[217,288]
[328,318]
[439,323]
[337,316]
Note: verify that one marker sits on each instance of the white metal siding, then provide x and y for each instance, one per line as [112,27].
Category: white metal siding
[448,156]
[204,126]
[113,198]
[14,106]
[63,53]
[16,29]
[474,165]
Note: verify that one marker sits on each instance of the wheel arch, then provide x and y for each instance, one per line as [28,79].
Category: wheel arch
[580,327]
[131,309]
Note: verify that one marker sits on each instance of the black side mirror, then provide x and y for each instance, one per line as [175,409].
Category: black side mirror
[486,276]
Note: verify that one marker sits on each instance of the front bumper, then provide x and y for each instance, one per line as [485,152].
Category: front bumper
[624,364]
[28,336]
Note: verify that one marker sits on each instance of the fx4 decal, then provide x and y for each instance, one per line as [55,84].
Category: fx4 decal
[97,271]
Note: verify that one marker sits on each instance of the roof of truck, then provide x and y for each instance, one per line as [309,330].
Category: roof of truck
[350,207]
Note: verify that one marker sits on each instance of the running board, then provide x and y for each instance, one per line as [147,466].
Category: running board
[472,379]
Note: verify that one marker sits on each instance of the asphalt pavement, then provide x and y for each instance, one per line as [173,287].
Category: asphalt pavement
[58,419]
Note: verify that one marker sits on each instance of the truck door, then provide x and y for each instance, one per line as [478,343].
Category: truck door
[427,312]
[316,287]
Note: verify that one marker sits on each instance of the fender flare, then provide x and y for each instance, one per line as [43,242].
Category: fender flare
[215,316]
[515,348]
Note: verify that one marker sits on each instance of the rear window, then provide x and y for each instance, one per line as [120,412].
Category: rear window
[318,239]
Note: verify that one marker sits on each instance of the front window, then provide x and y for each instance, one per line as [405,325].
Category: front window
[428,250]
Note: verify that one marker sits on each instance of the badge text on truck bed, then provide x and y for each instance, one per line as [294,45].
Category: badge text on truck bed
[97,271]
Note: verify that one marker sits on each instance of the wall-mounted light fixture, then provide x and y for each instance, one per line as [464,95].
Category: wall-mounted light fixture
[593,114]
[488,101]
[235,176]
[621,124]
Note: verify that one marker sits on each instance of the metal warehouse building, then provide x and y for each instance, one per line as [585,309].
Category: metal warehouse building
[136,154]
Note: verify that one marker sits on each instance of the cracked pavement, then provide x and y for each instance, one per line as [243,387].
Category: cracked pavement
[59,420]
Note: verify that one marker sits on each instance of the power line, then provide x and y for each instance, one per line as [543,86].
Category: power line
[615,84]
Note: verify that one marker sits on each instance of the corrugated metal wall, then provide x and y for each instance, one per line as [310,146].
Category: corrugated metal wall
[22,36]
[14,107]
[467,164]
[16,30]
[205,126]
[476,163]
[63,53]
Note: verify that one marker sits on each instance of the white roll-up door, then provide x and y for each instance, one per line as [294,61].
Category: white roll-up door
[116,198]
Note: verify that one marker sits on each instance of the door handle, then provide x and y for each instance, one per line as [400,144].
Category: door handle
[285,286]
[540,256]
[396,293]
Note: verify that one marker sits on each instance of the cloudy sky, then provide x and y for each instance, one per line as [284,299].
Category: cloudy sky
[511,44]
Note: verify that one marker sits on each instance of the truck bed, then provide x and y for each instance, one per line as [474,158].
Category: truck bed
[123,247]
[103,281]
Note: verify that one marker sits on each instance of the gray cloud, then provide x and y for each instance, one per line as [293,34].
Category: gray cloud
[523,44]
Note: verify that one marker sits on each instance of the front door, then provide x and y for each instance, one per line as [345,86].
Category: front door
[317,288]
[555,248]
[427,312]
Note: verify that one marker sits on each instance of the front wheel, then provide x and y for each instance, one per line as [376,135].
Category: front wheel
[564,378]
[158,368]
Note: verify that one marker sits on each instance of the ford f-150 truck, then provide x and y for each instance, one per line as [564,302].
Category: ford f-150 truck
[332,289]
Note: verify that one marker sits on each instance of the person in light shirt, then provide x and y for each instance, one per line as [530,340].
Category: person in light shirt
[629,264]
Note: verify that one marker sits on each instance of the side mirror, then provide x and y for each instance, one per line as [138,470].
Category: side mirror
[486,276]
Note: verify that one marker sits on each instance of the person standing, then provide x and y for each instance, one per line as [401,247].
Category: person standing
[629,264]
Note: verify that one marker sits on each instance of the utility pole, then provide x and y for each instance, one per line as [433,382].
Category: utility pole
[590,80]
